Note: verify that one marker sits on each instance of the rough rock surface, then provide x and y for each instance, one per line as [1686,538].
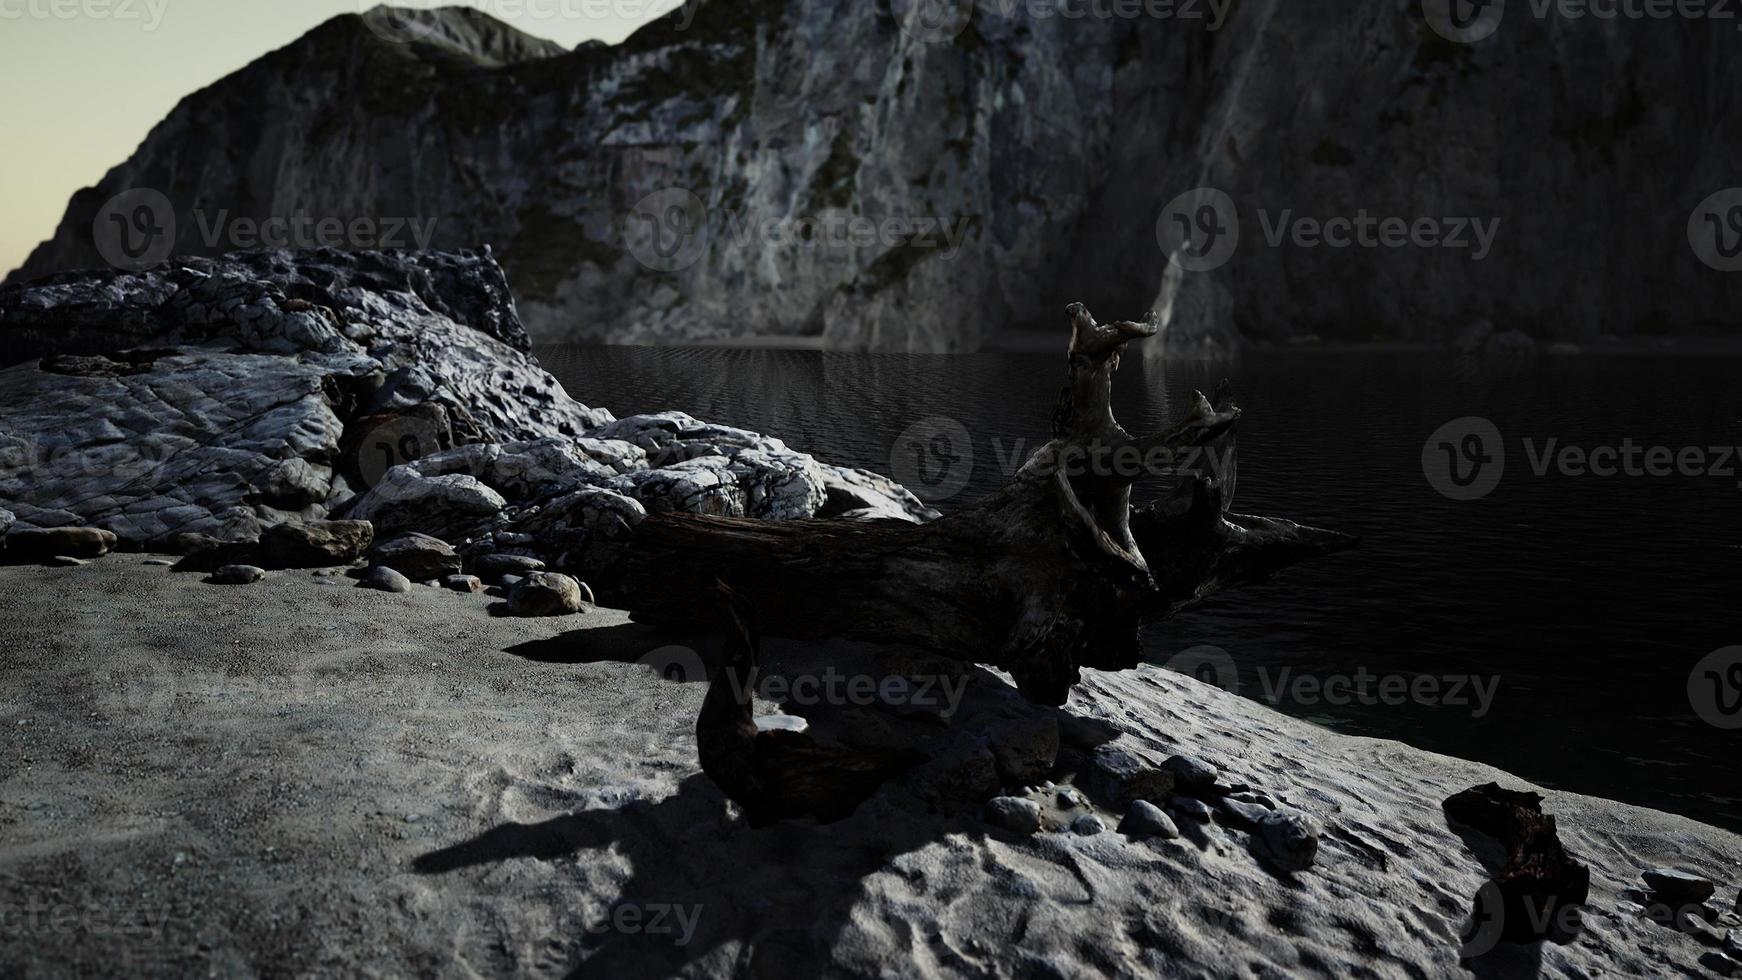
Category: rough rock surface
[264,388]
[1051,142]
[314,544]
[417,556]
[546,594]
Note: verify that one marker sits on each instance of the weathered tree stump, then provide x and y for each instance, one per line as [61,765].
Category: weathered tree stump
[1048,575]
[1540,885]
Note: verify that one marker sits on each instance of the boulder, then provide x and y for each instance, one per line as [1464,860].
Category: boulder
[238,575]
[49,542]
[1121,775]
[463,583]
[1288,839]
[1013,813]
[1190,808]
[314,544]
[1189,772]
[1675,887]
[384,579]
[546,594]
[964,775]
[1088,825]
[450,505]
[1145,819]
[417,556]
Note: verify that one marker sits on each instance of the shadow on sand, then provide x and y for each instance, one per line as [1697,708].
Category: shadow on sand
[783,896]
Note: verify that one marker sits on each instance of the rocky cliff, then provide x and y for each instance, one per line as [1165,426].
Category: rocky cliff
[876,176]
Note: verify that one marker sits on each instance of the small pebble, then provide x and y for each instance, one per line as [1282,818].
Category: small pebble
[62,561]
[158,561]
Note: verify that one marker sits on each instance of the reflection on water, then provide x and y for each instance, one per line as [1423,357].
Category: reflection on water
[1579,603]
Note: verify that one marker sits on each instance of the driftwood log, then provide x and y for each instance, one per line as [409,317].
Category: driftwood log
[1050,574]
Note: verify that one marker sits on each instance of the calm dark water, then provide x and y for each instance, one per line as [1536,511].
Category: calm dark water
[1582,603]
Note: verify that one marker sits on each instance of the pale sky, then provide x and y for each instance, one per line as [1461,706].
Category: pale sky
[83,81]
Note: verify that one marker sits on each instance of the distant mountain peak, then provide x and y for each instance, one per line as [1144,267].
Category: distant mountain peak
[466,31]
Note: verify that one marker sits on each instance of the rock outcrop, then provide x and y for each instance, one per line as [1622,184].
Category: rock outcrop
[854,172]
[264,389]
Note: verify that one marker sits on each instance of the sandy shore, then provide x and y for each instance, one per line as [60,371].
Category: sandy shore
[299,777]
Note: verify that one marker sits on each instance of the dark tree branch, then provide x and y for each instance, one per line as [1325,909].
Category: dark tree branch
[1048,575]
